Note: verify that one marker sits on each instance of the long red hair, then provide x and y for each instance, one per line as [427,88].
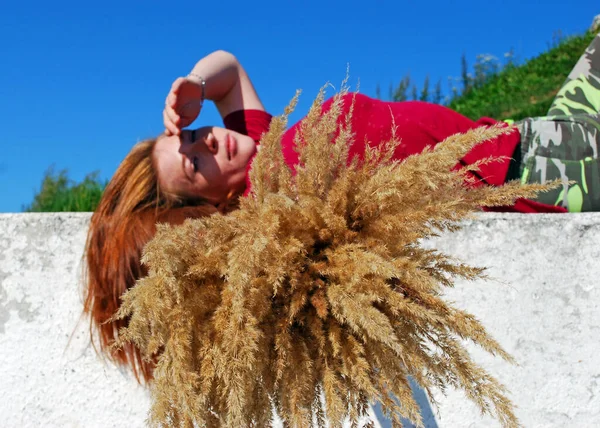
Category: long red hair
[122,224]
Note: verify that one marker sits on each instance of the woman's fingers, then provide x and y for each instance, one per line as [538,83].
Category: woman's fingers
[173,115]
[171,99]
[170,127]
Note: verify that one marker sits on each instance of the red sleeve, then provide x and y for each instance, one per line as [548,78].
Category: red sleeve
[253,123]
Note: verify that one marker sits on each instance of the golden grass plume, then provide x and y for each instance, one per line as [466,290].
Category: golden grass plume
[317,287]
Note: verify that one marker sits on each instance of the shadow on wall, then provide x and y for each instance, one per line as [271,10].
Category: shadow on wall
[422,401]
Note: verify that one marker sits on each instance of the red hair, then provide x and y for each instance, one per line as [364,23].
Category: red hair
[122,224]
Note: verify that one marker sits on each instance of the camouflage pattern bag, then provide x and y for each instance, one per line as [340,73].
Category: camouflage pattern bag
[564,145]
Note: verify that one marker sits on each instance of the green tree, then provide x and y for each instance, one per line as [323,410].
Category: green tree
[509,58]
[399,94]
[464,74]
[415,92]
[425,91]
[437,93]
[59,193]
[486,66]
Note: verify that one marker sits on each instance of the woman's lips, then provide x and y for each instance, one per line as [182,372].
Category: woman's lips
[231,145]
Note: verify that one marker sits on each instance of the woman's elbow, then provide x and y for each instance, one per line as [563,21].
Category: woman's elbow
[225,56]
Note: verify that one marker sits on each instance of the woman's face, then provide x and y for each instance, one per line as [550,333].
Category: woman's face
[208,162]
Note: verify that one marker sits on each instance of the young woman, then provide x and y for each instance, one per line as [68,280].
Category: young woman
[193,173]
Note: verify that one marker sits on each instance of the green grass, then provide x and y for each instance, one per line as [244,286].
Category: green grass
[526,90]
[59,193]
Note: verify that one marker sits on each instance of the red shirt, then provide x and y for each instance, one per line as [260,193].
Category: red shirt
[419,125]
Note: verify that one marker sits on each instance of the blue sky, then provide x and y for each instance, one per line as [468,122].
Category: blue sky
[81,83]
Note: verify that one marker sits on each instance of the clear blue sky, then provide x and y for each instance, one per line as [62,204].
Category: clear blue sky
[80,84]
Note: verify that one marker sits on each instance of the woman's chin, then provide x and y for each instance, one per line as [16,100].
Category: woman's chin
[247,148]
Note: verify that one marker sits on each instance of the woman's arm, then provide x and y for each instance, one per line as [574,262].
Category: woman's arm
[226,83]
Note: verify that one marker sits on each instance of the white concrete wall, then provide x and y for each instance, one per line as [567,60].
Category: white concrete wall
[542,306]
[50,376]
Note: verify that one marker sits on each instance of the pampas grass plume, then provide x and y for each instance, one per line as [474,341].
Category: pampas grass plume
[316,297]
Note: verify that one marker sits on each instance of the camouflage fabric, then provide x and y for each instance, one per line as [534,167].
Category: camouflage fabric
[581,91]
[563,147]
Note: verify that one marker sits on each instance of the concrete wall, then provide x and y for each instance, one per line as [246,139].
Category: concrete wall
[51,376]
[542,306]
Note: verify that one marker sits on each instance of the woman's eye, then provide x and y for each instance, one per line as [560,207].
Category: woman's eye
[195,163]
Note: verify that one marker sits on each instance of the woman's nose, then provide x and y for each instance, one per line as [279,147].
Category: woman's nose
[212,143]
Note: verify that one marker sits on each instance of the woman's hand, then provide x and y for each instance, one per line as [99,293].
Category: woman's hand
[226,84]
[183,105]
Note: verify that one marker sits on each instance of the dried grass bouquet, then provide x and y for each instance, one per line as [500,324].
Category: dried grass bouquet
[316,297]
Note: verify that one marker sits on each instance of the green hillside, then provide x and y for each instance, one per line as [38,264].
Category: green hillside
[526,90]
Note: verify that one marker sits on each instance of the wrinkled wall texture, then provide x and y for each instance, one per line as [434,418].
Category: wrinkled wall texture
[542,305]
